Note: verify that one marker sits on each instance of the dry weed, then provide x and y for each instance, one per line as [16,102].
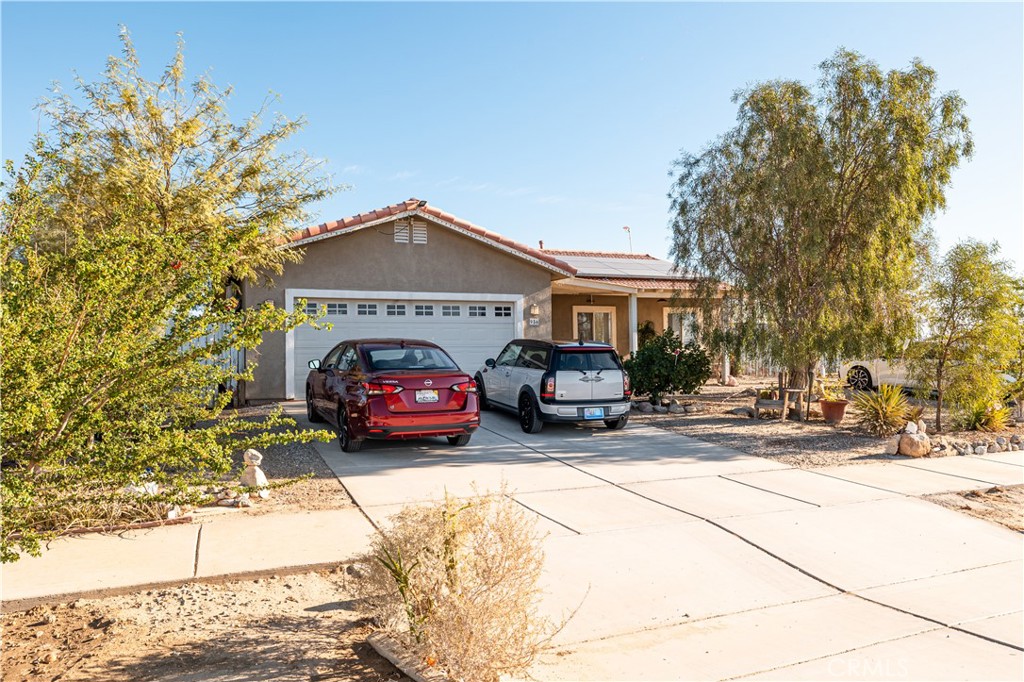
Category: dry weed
[457,582]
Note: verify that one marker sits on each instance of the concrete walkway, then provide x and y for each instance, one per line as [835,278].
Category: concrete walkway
[683,560]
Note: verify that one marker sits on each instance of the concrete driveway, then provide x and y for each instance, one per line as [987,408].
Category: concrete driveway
[688,560]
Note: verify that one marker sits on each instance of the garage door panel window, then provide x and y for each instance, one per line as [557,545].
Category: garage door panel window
[366,309]
[478,311]
[424,310]
[503,311]
[451,311]
[395,309]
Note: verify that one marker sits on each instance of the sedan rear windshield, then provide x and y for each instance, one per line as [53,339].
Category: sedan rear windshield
[394,357]
[587,360]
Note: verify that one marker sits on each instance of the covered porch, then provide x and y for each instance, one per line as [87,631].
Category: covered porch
[611,311]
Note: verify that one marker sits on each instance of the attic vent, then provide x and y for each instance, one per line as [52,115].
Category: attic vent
[401,233]
[419,233]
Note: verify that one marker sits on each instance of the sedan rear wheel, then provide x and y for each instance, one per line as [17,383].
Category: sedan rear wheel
[311,413]
[859,379]
[460,440]
[345,439]
[529,420]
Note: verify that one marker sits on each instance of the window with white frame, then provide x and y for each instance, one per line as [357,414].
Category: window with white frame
[424,310]
[683,322]
[503,311]
[366,309]
[312,308]
[395,309]
[594,323]
[451,311]
[337,309]
[478,311]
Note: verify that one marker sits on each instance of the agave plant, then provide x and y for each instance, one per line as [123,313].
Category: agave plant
[882,413]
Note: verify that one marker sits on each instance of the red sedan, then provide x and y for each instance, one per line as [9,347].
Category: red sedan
[391,389]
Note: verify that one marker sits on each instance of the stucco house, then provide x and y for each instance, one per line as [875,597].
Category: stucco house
[413,270]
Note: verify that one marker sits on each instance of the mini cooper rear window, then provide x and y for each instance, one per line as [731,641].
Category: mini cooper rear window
[393,357]
[586,360]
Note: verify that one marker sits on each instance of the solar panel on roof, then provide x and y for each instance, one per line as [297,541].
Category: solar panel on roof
[593,266]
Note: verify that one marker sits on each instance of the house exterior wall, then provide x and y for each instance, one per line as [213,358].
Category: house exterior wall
[370,260]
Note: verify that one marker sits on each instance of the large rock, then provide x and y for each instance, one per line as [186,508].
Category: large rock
[743,412]
[921,428]
[892,446]
[660,409]
[675,408]
[914,445]
[910,428]
[644,407]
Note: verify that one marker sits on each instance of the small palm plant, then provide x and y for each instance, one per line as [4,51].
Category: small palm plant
[882,413]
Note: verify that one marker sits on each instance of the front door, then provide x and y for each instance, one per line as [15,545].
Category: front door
[594,323]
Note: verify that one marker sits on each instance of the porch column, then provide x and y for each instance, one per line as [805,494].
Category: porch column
[633,322]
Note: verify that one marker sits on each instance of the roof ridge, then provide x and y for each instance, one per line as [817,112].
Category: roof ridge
[600,254]
[423,207]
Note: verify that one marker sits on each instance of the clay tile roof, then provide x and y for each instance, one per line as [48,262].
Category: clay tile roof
[413,204]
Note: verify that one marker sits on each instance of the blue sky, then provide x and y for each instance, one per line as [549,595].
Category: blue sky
[539,121]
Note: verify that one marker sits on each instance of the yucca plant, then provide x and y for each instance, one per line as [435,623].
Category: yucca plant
[982,416]
[882,413]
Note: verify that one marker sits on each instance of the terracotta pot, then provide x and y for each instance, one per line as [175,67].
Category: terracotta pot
[833,410]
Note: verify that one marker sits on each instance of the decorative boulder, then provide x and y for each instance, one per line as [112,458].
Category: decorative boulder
[644,407]
[892,446]
[921,428]
[911,427]
[914,445]
[731,381]
[743,412]
[676,408]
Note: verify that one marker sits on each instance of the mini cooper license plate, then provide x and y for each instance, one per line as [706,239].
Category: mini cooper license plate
[426,396]
[593,412]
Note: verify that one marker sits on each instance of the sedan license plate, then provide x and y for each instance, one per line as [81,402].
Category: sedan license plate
[426,396]
[593,412]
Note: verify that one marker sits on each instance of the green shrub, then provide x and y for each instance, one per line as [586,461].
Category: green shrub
[665,365]
[882,413]
[982,416]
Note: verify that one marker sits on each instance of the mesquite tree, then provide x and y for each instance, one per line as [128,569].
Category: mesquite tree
[813,208]
[122,235]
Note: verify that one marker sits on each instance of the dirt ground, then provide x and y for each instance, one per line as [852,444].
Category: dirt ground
[811,443]
[1001,504]
[295,627]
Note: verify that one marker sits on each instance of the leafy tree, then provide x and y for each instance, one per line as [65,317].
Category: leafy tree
[664,364]
[813,208]
[973,329]
[124,235]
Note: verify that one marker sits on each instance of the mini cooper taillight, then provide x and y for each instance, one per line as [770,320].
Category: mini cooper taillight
[380,389]
[626,390]
[547,387]
[465,387]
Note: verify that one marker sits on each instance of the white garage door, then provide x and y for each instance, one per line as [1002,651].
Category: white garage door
[470,330]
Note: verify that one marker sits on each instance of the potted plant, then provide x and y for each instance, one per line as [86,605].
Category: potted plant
[833,402]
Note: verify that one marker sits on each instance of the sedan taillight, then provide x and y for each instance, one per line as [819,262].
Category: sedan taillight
[465,387]
[381,389]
